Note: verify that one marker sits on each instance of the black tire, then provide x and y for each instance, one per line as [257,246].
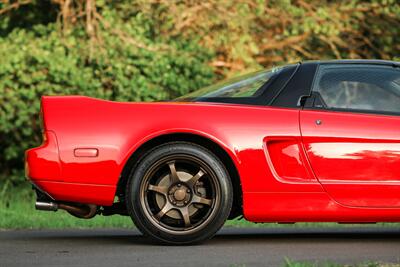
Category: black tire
[172,200]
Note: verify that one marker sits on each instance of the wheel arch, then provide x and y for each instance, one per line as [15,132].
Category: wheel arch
[200,140]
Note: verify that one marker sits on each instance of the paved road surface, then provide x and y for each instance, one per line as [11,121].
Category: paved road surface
[231,247]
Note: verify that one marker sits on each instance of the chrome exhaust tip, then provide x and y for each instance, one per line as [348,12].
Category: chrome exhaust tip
[48,206]
[83,211]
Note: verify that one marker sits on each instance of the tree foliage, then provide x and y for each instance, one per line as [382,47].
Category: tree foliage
[249,33]
[147,50]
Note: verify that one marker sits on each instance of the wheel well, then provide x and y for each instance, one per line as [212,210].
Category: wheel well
[192,138]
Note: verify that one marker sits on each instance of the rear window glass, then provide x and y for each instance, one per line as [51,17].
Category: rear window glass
[243,86]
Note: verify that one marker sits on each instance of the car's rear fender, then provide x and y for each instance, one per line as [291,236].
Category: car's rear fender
[228,158]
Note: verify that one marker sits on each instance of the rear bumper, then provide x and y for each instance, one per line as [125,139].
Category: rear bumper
[43,169]
[43,163]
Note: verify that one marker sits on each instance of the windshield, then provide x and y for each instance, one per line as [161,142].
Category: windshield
[248,85]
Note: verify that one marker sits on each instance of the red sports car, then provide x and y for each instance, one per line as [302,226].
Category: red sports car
[309,142]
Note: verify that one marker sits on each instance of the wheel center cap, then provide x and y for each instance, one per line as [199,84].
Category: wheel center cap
[180,194]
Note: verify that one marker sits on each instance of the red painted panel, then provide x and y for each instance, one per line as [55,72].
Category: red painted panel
[374,160]
[310,207]
[287,160]
[356,157]
[42,163]
[80,193]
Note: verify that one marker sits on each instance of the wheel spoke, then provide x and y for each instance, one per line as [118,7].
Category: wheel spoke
[201,200]
[174,178]
[167,207]
[179,193]
[163,190]
[192,181]
[185,216]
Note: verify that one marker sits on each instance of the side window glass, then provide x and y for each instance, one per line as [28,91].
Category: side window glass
[359,87]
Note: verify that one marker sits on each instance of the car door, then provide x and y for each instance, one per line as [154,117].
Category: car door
[351,133]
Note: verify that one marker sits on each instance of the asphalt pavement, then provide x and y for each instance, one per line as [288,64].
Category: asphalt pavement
[230,247]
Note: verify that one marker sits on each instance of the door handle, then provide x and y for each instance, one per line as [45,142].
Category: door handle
[318,122]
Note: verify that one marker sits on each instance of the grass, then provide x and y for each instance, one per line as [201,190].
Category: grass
[290,263]
[17,212]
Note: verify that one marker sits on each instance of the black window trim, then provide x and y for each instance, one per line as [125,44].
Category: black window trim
[270,103]
[297,88]
[310,103]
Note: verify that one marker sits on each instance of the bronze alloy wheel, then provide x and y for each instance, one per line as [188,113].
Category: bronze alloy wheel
[179,193]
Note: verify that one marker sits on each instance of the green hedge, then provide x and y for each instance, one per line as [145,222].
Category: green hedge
[42,60]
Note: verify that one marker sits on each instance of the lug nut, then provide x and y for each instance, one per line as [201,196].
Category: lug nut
[188,191]
[179,185]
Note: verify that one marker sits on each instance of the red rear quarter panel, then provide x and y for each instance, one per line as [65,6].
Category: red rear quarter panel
[117,129]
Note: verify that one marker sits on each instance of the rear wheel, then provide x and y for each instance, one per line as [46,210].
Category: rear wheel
[179,193]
